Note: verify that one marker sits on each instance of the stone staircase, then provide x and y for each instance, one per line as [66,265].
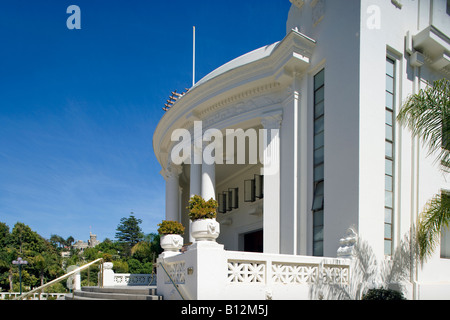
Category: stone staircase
[115,293]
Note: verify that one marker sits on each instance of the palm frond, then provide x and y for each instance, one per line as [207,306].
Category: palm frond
[435,216]
[427,115]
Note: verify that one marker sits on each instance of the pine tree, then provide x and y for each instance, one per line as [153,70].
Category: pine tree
[129,233]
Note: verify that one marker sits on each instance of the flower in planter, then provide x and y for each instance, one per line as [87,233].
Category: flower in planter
[201,209]
[170,227]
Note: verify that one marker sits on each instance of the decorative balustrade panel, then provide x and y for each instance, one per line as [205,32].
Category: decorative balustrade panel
[333,274]
[35,296]
[126,279]
[245,271]
[177,271]
[287,273]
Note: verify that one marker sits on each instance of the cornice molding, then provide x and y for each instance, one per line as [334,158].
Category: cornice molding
[240,90]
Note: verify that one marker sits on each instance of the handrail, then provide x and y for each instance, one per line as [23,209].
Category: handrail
[26,294]
[171,280]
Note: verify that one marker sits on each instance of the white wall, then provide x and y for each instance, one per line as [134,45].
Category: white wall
[337,50]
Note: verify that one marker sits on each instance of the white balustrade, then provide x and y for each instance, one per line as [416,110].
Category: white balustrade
[209,272]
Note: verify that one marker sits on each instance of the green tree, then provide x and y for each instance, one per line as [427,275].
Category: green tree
[129,233]
[148,249]
[44,261]
[427,115]
[69,241]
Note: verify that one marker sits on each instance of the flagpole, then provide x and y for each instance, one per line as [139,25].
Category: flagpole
[193,59]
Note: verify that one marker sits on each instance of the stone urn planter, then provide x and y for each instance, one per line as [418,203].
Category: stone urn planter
[205,229]
[171,240]
[203,214]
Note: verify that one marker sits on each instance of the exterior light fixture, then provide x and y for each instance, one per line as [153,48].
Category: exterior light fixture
[20,262]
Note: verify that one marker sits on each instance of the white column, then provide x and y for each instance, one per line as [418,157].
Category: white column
[195,184]
[172,175]
[208,181]
[290,174]
[271,172]
[196,174]
[209,165]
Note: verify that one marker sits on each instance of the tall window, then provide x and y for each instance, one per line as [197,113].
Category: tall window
[445,232]
[317,206]
[389,156]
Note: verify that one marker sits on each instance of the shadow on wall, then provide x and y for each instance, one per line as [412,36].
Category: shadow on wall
[367,272]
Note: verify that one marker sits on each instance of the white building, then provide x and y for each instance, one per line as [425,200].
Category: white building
[332,87]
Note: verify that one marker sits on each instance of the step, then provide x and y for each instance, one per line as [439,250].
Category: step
[71,296]
[144,290]
[115,293]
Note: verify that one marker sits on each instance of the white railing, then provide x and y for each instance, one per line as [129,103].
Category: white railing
[34,296]
[285,270]
[112,279]
[67,275]
[209,272]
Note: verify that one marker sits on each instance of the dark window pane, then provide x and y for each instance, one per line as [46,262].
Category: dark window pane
[388,199]
[390,67]
[389,149]
[387,215]
[389,100]
[318,249]
[319,95]
[319,110]
[389,167]
[319,125]
[319,79]
[389,84]
[388,183]
[389,118]
[389,133]
[318,140]
[319,156]
[388,231]
[318,173]
[387,247]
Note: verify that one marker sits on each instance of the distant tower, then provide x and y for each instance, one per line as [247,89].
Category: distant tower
[92,240]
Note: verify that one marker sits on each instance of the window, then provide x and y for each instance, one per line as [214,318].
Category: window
[222,200]
[233,199]
[445,232]
[249,191]
[448,7]
[319,147]
[228,200]
[389,156]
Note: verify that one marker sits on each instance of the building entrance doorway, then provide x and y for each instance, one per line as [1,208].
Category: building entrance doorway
[253,241]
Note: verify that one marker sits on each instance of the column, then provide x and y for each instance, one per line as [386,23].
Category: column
[195,184]
[196,173]
[290,174]
[209,164]
[172,175]
[208,181]
[271,172]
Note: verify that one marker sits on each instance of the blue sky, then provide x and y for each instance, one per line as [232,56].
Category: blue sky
[78,108]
